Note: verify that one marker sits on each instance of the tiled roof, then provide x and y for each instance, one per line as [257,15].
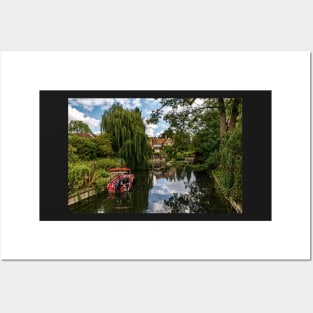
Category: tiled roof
[85,135]
[157,141]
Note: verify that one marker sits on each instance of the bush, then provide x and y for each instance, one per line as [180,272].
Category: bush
[84,148]
[180,156]
[107,164]
[101,183]
[78,175]
[229,170]
[102,173]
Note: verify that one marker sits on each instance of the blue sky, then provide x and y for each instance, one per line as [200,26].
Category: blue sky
[90,110]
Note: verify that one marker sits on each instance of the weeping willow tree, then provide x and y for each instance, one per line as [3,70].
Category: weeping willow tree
[127,131]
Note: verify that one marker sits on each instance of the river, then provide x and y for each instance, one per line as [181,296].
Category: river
[175,190]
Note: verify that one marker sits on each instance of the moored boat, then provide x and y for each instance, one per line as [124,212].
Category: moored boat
[121,180]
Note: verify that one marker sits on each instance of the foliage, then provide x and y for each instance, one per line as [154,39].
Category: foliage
[80,148]
[180,156]
[168,133]
[170,152]
[78,175]
[72,156]
[107,164]
[205,141]
[100,183]
[78,127]
[184,113]
[181,141]
[84,148]
[229,170]
[102,173]
[127,132]
[103,141]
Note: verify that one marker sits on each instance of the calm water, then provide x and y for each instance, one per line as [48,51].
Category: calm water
[176,190]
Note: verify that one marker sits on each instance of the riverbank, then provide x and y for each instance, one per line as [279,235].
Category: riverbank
[236,206]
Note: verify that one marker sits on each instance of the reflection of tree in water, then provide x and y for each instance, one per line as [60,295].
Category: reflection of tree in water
[143,183]
[180,173]
[202,197]
[188,174]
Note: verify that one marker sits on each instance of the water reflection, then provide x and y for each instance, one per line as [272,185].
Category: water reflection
[176,190]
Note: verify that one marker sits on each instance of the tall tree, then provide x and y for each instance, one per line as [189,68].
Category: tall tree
[186,112]
[206,139]
[127,132]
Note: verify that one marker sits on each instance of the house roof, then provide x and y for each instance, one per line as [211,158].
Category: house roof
[153,141]
[85,135]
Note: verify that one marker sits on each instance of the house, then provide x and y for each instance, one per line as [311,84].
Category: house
[157,144]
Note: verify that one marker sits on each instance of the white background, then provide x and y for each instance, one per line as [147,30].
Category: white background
[166,286]
[285,237]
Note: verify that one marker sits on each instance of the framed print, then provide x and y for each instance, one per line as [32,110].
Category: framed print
[205,168]
[155,155]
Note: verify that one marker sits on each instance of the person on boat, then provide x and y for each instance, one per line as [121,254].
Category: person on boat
[126,181]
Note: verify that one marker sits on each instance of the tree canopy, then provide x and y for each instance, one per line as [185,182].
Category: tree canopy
[78,127]
[127,132]
[186,113]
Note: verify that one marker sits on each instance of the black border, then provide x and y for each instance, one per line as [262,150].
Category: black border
[257,184]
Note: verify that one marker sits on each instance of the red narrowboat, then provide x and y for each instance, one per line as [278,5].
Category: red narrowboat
[121,180]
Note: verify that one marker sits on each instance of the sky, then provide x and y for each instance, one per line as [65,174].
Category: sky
[90,110]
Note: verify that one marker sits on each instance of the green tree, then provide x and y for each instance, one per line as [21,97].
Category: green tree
[78,127]
[181,141]
[84,148]
[104,144]
[127,132]
[186,112]
[229,170]
[206,139]
[168,133]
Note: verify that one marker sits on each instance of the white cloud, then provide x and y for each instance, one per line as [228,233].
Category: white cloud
[90,103]
[125,102]
[149,128]
[129,103]
[74,114]
[137,103]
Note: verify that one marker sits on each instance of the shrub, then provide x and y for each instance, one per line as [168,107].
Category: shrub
[84,148]
[180,156]
[101,183]
[107,164]
[78,175]
[229,170]
[102,173]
